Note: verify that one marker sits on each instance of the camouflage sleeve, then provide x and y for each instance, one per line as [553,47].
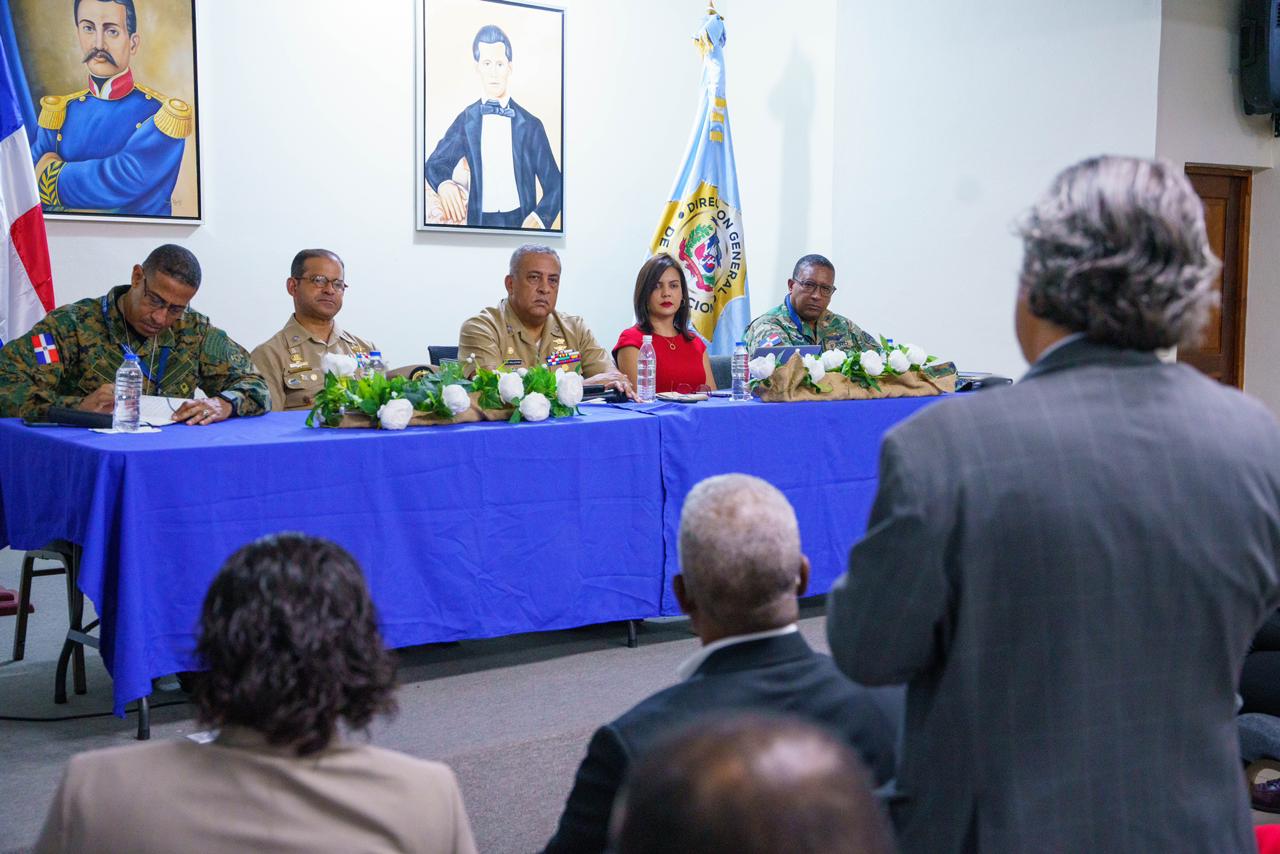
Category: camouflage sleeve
[865,340]
[31,381]
[227,370]
[763,332]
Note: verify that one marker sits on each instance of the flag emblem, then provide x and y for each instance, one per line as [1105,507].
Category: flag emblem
[46,349]
[701,224]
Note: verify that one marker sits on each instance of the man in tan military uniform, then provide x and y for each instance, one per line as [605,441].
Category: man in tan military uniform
[526,330]
[290,359]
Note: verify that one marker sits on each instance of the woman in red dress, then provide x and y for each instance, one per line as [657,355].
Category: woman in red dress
[662,310]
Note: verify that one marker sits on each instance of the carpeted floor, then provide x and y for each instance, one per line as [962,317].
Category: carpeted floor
[512,716]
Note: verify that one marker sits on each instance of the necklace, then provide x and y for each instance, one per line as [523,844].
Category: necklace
[669,340]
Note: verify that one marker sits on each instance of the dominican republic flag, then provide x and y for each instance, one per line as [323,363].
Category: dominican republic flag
[26,280]
[701,224]
[46,349]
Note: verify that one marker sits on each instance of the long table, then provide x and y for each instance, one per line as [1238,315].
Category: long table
[466,531]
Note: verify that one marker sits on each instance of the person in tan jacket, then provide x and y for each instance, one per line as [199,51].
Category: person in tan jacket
[289,637]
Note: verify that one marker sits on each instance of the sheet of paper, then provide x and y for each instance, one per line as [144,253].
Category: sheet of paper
[158,411]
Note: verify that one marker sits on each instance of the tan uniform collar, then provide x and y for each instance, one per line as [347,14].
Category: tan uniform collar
[551,328]
[293,327]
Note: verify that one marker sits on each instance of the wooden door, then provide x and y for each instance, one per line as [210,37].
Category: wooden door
[1225,193]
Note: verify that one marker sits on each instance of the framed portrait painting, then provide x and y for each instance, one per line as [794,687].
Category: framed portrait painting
[108,93]
[490,117]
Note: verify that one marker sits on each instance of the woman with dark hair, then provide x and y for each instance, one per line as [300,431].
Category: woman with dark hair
[661,302]
[290,640]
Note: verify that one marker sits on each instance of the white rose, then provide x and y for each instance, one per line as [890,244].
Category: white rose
[534,406]
[569,389]
[833,359]
[456,398]
[813,365]
[872,363]
[899,362]
[510,387]
[338,364]
[395,414]
[520,372]
[762,367]
[916,355]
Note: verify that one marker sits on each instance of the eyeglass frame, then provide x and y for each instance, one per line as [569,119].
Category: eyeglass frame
[156,303]
[809,286]
[339,285]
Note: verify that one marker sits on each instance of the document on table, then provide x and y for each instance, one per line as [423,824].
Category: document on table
[158,411]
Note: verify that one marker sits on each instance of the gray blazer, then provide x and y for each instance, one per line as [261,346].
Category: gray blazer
[1068,573]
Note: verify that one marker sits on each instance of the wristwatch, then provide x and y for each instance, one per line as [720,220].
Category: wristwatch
[235,407]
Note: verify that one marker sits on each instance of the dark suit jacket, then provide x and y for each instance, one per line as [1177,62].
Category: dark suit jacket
[529,148]
[1068,572]
[774,675]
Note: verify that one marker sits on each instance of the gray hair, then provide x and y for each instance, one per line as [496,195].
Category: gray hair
[739,549]
[529,249]
[1117,249]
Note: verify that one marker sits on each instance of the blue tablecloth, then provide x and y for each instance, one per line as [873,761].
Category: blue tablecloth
[824,457]
[464,531]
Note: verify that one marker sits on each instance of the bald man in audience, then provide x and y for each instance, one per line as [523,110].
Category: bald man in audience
[750,785]
[741,574]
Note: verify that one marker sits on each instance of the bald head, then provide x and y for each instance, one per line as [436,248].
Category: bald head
[746,785]
[740,557]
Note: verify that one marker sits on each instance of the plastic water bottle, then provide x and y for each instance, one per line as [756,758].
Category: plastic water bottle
[128,409]
[647,371]
[741,372]
[375,365]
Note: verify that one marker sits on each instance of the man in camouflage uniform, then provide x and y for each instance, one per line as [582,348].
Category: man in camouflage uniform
[803,318]
[70,358]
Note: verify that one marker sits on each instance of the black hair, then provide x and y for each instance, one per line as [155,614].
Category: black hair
[489,34]
[289,637]
[130,16]
[647,281]
[813,259]
[300,260]
[174,261]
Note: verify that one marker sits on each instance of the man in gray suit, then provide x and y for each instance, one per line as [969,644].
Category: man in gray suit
[1068,571]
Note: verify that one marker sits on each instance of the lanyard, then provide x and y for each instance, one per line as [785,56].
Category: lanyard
[164,352]
[795,318]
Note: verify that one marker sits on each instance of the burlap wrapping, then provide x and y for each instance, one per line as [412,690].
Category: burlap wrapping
[428,419]
[787,384]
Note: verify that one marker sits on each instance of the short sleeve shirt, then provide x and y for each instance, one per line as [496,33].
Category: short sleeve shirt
[290,362]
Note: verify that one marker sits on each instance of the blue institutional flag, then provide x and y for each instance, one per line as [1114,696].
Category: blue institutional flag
[702,223]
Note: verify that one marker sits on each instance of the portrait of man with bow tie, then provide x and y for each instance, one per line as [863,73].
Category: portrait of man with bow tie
[494,168]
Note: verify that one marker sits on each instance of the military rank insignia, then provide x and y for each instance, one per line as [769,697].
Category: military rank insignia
[46,349]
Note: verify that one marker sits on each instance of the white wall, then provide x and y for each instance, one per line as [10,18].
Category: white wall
[1201,121]
[949,124]
[307,132]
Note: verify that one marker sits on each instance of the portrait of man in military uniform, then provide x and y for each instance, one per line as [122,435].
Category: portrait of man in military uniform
[493,165]
[111,140]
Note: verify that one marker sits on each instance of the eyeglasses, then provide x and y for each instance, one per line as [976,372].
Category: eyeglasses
[322,282]
[154,303]
[809,286]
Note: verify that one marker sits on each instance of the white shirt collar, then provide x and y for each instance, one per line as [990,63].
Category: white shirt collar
[693,662]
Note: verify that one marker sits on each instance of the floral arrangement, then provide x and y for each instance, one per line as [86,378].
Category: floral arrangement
[863,367]
[534,394]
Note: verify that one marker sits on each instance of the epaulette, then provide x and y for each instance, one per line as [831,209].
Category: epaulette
[175,116]
[53,109]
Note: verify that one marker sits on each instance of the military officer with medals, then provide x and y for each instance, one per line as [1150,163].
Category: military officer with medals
[70,358]
[290,359]
[526,330]
[115,146]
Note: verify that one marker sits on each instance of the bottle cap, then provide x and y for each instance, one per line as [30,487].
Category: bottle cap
[648,339]
[376,354]
[131,356]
